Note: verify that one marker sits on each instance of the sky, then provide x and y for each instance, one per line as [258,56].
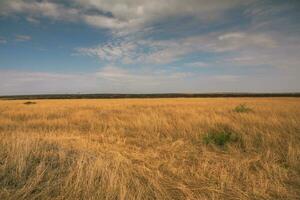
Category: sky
[143,46]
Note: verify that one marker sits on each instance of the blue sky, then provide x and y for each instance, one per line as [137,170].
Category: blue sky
[139,46]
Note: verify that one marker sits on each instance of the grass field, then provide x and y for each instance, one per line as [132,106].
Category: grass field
[222,148]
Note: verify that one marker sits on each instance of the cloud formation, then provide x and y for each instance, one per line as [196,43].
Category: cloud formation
[168,51]
[22,38]
[118,74]
[120,14]
[107,79]
[228,45]
[112,79]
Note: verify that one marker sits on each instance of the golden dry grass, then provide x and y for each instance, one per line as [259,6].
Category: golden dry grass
[149,149]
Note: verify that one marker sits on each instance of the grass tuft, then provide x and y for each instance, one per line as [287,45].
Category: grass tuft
[242,108]
[220,137]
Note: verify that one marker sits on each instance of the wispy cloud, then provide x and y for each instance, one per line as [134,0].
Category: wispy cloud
[197,64]
[168,51]
[32,20]
[34,82]
[111,51]
[22,38]
[106,79]
[142,75]
[178,45]
[120,80]
[123,14]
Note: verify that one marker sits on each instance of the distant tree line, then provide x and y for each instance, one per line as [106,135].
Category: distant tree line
[158,95]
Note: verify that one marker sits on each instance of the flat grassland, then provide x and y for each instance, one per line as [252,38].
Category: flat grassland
[198,148]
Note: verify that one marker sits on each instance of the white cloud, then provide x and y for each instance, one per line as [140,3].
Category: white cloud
[145,75]
[32,20]
[238,40]
[111,51]
[114,73]
[236,35]
[120,14]
[34,8]
[22,38]
[112,79]
[264,14]
[103,22]
[107,79]
[167,51]
[197,64]
[269,41]
[278,51]
[30,82]
[148,11]
[239,49]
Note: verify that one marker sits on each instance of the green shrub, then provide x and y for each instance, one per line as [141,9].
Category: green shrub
[220,137]
[29,102]
[242,108]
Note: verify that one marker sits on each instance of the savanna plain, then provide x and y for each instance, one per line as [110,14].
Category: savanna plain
[196,148]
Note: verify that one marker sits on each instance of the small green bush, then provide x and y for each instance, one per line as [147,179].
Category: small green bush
[242,108]
[29,102]
[220,137]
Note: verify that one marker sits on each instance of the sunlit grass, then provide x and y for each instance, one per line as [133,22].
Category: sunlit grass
[150,149]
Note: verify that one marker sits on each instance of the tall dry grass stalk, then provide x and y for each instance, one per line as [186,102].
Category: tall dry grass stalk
[150,149]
